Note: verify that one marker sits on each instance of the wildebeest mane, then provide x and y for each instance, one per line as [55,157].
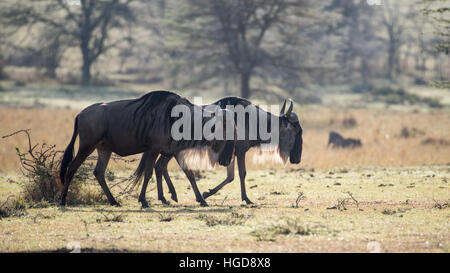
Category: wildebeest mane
[159,104]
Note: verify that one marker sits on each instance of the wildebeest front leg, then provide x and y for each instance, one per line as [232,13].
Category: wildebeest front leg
[150,163]
[99,172]
[242,174]
[190,175]
[230,177]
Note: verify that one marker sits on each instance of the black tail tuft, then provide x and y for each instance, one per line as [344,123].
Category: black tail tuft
[68,153]
[140,170]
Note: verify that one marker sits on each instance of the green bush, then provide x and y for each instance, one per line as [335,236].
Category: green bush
[398,95]
[232,219]
[361,88]
[287,227]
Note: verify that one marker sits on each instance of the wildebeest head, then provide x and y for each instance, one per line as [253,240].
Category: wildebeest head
[291,139]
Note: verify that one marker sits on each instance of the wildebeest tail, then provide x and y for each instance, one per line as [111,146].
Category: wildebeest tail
[139,171]
[68,153]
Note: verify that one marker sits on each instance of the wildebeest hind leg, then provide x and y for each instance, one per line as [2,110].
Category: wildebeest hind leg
[230,177]
[150,163]
[160,166]
[99,172]
[83,152]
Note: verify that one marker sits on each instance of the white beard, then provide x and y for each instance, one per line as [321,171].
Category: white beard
[201,158]
[269,153]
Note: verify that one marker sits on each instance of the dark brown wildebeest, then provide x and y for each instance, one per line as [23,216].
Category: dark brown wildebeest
[134,126]
[290,146]
[336,140]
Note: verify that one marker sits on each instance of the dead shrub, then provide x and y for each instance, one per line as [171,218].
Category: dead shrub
[287,227]
[389,211]
[13,207]
[439,205]
[166,217]
[300,197]
[40,166]
[342,203]
[232,219]
[111,217]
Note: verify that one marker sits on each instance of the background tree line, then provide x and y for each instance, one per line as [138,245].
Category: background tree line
[258,47]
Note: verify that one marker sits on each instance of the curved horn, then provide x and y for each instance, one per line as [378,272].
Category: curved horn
[289,111]
[282,108]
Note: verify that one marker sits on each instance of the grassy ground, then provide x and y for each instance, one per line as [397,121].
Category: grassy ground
[393,210]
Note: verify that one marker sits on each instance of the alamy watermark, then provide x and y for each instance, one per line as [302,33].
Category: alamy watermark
[214,122]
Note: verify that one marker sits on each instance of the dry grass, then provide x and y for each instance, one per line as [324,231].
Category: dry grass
[379,131]
[403,217]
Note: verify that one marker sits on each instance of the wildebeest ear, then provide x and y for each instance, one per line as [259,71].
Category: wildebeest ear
[289,111]
[282,108]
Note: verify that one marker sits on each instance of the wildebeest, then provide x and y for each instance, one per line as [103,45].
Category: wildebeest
[336,140]
[128,127]
[290,146]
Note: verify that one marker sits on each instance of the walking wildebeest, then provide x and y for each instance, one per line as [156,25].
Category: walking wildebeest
[289,146]
[128,127]
[336,140]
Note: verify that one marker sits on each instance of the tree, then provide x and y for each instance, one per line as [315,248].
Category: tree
[394,25]
[87,25]
[438,11]
[358,34]
[240,37]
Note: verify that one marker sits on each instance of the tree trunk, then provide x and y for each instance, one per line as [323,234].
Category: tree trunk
[245,85]
[85,37]
[86,73]
[86,68]
[391,60]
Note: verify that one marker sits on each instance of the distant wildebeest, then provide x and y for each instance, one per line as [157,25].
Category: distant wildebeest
[336,140]
[289,146]
[128,127]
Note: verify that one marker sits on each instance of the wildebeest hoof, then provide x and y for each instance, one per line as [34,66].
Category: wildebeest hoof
[204,204]
[206,194]
[164,201]
[247,201]
[144,204]
[174,198]
[115,204]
